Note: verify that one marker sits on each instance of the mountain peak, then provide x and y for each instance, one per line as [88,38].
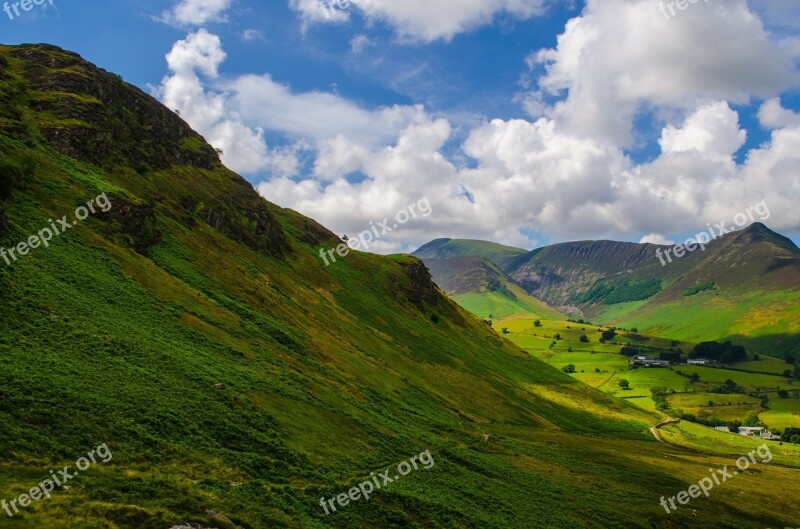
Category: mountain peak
[758,232]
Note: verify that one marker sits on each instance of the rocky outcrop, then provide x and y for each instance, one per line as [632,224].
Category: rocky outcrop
[96,117]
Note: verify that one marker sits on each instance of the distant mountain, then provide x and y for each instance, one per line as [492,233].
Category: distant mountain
[481,287]
[745,286]
[497,253]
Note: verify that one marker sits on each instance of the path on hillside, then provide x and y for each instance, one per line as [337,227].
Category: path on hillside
[609,378]
[657,434]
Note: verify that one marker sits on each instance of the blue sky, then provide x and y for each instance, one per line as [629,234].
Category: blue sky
[525,122]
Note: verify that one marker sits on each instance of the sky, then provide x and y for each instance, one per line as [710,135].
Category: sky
[525,122]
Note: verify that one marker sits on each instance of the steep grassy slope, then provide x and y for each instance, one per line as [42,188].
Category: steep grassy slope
[193,330]
[755,299]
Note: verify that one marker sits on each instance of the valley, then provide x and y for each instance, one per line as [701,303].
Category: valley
[238,381]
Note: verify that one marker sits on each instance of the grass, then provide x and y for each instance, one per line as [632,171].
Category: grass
[709,440]
[602,367]
[782,413]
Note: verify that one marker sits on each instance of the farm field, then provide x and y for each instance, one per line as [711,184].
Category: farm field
[702,438]
[782,413]
[724,408]
[601,366]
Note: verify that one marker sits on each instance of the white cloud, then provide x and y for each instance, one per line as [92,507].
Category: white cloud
[656,238]
[422,20]
[183,90]
[314,115]
[772,115]
[621,56]
[250,35]
[359,43]
[196,12]
[565,173]
[712,129]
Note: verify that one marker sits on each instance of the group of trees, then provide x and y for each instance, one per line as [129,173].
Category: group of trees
[791,435]
[725,353]
[728,387]
[610,294]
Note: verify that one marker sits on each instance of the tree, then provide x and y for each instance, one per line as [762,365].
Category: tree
[609,334]
[791,435]
[584,338]
[624,384]
[783,394]
[505,330]
[570,368]
[558,336]
[537,323]
[694,377]
[753,420]
[791,360]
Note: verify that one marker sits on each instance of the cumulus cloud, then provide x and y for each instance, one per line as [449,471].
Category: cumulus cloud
[622,55]
[712,129]
[772,115]
[196,12]
[565,173]
[656,238]
[207,112]
[421,20]
[317,115]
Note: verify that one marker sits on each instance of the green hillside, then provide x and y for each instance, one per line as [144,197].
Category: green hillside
[745,287]
[494,252]
[237,380]
[479,286]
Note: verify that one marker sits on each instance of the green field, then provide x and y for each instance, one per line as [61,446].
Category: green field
[767,323]
[601,366]
[510,301]
[705,439]
[782,413]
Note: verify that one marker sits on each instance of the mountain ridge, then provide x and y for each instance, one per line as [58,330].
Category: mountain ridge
[595,280]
